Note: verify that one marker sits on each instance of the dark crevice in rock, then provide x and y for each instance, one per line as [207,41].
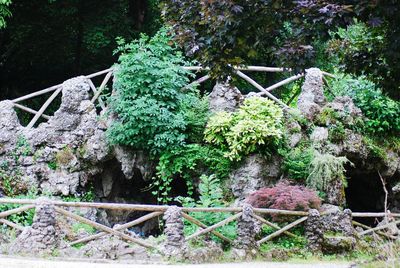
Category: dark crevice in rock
[365,194]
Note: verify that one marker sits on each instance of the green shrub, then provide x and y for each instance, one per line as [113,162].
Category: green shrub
[211,195]
[381,112]
[150,106]
[297,162]
[326,168]
[187,161]
[258,123]
[360,49]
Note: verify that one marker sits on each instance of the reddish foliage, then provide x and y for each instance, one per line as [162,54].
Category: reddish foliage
[285,196]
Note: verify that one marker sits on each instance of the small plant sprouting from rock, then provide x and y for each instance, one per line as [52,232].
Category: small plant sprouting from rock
[326,168]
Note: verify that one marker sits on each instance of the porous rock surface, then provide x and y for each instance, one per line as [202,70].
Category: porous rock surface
[62,155]
[330,233]
[175,245]
[256,172]
[312,94]
[42,237]
[225,97]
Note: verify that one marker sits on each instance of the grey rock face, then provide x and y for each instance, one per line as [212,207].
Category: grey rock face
[210,252]
[225,98]
[346,109]
[312,97]
[175,245]
[319,134]
[246,232]
[113,248]
[255,173]
[41,238]
[319,229]
[68,151]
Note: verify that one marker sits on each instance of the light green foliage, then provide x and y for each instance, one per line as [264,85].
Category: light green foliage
[381,112]
[326,168]
[258,123]
[152,110]
[77,227]
[211,195]
[4,12]
[187,162]
[283,242]
[25,218]
[297,162]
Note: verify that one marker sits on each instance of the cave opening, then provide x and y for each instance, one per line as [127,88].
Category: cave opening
[365,193]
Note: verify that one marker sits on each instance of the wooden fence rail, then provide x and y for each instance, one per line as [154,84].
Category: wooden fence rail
[158,210]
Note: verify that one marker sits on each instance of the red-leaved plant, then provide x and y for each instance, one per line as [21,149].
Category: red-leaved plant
[285,196]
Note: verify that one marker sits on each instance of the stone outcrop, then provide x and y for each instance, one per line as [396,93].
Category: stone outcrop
[312,96]
[247,229]
[174,246]
[256,172]
[225,97]
[63,155]
[42,237]
[331,233]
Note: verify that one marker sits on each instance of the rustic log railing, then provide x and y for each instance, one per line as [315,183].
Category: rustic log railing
[158,210]
[108,74]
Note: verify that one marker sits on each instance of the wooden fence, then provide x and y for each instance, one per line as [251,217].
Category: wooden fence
[108,74]
[158,210]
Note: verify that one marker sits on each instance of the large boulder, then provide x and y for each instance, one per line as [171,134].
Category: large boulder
[225,97]
[312,97]
[256,172]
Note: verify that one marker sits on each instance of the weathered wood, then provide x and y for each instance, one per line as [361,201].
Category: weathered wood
[37,93]
[281,83]
[100,73]
[215,226]
[7,213]
[198,81]
[29,110]
[102,227]
[248,68]
[279,232]
[328,74]
[44,107]
[102,87]
[378,228]
[136,207]
[12,225]
[273,225]
[259,87]
[121,227]
[374,214]
[202,225]
[93,87]
[368,228]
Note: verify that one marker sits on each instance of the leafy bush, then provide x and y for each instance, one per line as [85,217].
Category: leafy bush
[187,161]
[257,123]
[285,196]
[326,168]
[381,111]
[360,48]
[297,162]
[210,196]
[150,106]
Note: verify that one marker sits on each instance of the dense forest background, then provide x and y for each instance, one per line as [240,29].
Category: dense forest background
[44,42]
